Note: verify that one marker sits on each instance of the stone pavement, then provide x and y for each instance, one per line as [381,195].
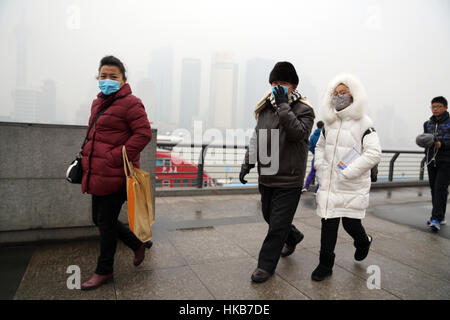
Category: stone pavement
[206,247]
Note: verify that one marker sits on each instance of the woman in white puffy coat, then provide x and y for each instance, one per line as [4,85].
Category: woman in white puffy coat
[344,193]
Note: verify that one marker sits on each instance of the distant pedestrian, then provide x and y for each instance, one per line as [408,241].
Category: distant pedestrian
[124,122]
[344,157]
[284,123]
[438,160]
[312,147]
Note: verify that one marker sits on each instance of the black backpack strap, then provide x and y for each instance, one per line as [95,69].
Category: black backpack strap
[368,131]
[374,170]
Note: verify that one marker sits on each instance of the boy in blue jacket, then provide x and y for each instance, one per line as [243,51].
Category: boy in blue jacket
[312,147]
[438,160]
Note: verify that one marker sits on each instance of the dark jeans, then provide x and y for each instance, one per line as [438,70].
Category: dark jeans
[329,233]
[105,214]
[278,208]
[439,178]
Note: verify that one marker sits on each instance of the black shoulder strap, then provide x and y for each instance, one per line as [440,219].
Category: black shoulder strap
[109,103]
[368,131]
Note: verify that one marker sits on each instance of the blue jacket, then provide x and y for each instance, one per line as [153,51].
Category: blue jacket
[313,140]
[441,130]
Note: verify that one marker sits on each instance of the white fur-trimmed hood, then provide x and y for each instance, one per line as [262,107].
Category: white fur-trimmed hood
[354,111]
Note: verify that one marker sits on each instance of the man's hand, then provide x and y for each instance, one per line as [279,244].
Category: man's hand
[438,144]
[280,96]
[244,171]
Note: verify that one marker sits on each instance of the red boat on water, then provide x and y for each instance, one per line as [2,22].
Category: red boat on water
[173,171]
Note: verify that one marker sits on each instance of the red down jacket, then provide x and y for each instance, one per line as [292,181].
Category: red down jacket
[124,123]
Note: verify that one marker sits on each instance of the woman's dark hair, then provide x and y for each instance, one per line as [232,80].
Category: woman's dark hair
[320,124]
[113,61]
[440,99]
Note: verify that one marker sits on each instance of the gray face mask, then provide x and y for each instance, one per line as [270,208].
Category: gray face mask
[341,101]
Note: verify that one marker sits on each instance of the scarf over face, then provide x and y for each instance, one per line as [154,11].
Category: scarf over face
[292,97]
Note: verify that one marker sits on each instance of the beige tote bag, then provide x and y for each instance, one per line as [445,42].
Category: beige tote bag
[141,213]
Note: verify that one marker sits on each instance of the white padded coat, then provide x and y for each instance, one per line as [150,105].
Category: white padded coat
[345,193]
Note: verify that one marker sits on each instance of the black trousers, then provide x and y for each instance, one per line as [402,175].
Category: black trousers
[278,208]
[329,233]
[105,214]
[439,178]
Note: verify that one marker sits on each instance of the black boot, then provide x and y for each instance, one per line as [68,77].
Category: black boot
[288,250]
[325,267]
[362,249]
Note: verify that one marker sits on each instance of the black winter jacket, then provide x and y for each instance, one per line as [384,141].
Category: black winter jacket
[294,123]
[441,130]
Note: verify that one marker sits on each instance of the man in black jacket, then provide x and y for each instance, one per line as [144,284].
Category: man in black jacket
[438,160]
[280,146]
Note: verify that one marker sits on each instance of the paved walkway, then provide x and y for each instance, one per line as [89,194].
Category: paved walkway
[206,247]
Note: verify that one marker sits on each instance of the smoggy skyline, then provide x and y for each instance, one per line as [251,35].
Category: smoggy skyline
[51,50]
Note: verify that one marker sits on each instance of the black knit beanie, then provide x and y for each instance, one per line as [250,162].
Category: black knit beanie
[284,71]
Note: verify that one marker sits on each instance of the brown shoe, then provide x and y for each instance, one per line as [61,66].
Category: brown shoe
[139,254]
[260,275]
[96,280]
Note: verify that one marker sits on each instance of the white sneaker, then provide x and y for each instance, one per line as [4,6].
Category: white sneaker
[443,222]
[304,190]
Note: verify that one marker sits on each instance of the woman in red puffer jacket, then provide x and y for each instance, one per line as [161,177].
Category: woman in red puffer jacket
[124,123]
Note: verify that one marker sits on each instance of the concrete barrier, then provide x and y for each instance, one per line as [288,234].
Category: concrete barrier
[37,202]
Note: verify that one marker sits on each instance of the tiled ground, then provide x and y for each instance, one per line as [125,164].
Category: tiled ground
[206,247]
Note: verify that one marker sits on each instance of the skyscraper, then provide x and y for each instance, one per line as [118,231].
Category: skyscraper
[223,92]
[190,92]
[160,72]
[146,91]
[256,85]
[46,102]
[21,62]
[82,115]
[25,101]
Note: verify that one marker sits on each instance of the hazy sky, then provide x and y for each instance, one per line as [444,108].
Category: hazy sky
[399,49]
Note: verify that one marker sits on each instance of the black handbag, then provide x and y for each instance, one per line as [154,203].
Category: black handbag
[74,173]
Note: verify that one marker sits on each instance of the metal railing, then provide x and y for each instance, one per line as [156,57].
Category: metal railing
[396,154]
[208,165]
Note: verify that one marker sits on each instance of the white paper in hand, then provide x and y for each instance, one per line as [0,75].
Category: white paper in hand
[348,158]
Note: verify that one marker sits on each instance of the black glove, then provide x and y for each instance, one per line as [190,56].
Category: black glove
[280,96]
[244,171]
